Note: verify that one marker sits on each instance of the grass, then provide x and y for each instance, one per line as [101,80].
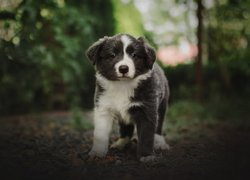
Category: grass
[185,115]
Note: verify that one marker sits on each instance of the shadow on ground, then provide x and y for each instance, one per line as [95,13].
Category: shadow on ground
[43,148]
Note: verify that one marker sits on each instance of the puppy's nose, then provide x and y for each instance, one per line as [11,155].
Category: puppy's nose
[123,69]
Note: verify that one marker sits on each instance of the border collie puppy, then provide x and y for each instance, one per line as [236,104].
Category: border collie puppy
[131,89]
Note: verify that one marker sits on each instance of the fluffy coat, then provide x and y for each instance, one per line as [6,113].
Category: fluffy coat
[131,89]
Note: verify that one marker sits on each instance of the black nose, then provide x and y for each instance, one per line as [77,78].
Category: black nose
[123,69]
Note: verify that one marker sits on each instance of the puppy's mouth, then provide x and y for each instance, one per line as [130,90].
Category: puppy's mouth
[124,78]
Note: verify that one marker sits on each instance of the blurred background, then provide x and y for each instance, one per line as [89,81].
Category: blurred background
[203,46]
[47,87]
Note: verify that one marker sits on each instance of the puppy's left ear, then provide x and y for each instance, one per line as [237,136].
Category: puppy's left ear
[94,50]
[151,56]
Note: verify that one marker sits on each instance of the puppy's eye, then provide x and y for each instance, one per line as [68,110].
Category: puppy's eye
[112,55]
[134,55]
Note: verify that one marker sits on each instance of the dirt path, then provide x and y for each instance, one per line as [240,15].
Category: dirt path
[41,148]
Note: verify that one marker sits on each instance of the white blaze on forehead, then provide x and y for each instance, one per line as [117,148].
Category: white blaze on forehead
[126,41]
[126,59]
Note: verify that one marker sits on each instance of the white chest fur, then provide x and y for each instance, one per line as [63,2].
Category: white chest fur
[116,99]
[117,95]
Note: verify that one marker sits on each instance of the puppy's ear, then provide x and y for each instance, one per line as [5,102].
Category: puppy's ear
[93,51]
[151,56]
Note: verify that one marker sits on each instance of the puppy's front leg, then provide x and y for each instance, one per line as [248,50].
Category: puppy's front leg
[145,130]
[102,126]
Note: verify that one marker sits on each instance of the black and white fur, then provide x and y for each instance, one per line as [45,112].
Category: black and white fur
[130,88]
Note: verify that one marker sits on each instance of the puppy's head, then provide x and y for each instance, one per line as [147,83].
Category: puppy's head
[121,57]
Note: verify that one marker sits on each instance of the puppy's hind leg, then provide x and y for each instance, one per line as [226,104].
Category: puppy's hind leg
[159,141]
[126,132]
[161,115]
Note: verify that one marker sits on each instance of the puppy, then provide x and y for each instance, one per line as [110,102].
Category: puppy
[131,89]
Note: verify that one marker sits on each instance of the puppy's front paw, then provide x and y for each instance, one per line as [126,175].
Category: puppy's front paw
[96,153]
[147,159]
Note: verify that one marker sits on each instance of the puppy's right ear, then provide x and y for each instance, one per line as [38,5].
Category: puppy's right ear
[93,51]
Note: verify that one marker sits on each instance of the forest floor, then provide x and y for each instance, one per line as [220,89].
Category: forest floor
[48,147]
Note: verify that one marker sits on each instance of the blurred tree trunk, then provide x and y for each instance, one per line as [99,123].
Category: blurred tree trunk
[224,71]
[198,63]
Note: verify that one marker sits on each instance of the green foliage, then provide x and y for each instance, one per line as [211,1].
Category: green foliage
[44,65]
[182,82]
[185,111]
[229,38]
[128,19]
[80,121]
[226,72]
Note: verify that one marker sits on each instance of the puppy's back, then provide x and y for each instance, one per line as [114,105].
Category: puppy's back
[161,81]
